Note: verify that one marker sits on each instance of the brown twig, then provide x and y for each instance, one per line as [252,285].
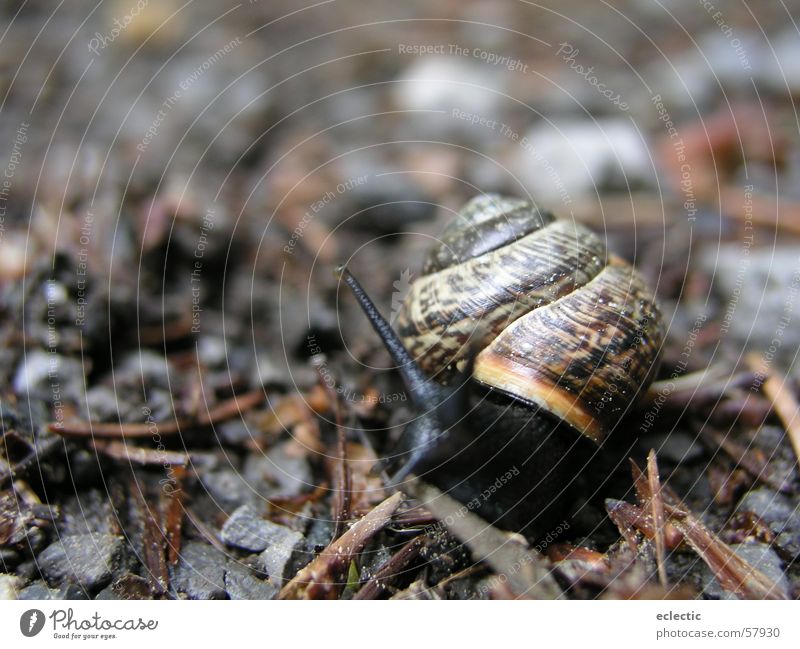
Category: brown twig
[657,512]
[628,517]
[120,450]
[173,518]
[380,582]
[758,467]
[733,573]
[783,401]
[323,577]
[154,544]
[526,570]
[221,412]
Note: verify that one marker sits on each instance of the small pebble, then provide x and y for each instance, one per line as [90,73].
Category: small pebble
[248,530]
[274,559]
[760,556]
[10,586]
[200,572]
[278,473]
[86,560]
[241,583]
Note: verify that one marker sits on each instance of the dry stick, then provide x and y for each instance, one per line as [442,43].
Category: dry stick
[342,477]
[173,517]
[628,517]
[154,544]
[391,569]
[322,578]
[119,450]
[205,531]
[657,507]
[757,467]
[783,401]
[525,569]
[763,209]
[344,486]
[224,410]
[733,573]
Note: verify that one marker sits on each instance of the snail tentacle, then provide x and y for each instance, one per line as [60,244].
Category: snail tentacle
[441,407]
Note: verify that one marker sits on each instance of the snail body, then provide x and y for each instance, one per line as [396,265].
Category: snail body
[557,337]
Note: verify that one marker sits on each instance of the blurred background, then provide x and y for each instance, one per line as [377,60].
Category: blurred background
[339,129]
[180,179]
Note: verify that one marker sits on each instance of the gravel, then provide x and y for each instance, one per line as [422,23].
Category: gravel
[86,560]
[242,583]
[200,573]
[760,556]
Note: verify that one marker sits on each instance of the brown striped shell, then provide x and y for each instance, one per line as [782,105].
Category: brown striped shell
[558,323]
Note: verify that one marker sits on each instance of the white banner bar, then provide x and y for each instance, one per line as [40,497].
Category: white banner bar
[388,625]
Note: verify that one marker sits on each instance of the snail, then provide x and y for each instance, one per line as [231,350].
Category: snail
[523,344]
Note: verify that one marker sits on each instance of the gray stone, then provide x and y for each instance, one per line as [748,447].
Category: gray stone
[102,404]
[574,158]
[756,292]
[236,432]
[228,488]
[38,590]
[677,447]
[127,587]
[760,556]
[277,473]
[248,530]
[777,511]
[200,572]
[241,583]
[88,560]
[10,585]
[42,374]
[275,558]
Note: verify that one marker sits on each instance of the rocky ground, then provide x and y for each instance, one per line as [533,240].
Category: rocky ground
[192,404]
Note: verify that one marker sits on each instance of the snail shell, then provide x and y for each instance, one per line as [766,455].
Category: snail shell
[560,323]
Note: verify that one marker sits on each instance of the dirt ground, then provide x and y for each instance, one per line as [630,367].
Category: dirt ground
[194,406]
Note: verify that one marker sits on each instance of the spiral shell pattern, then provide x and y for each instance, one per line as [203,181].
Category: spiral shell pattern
[553,319]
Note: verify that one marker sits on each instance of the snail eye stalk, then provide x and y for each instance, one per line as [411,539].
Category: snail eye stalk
[440,407]
[423,391]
